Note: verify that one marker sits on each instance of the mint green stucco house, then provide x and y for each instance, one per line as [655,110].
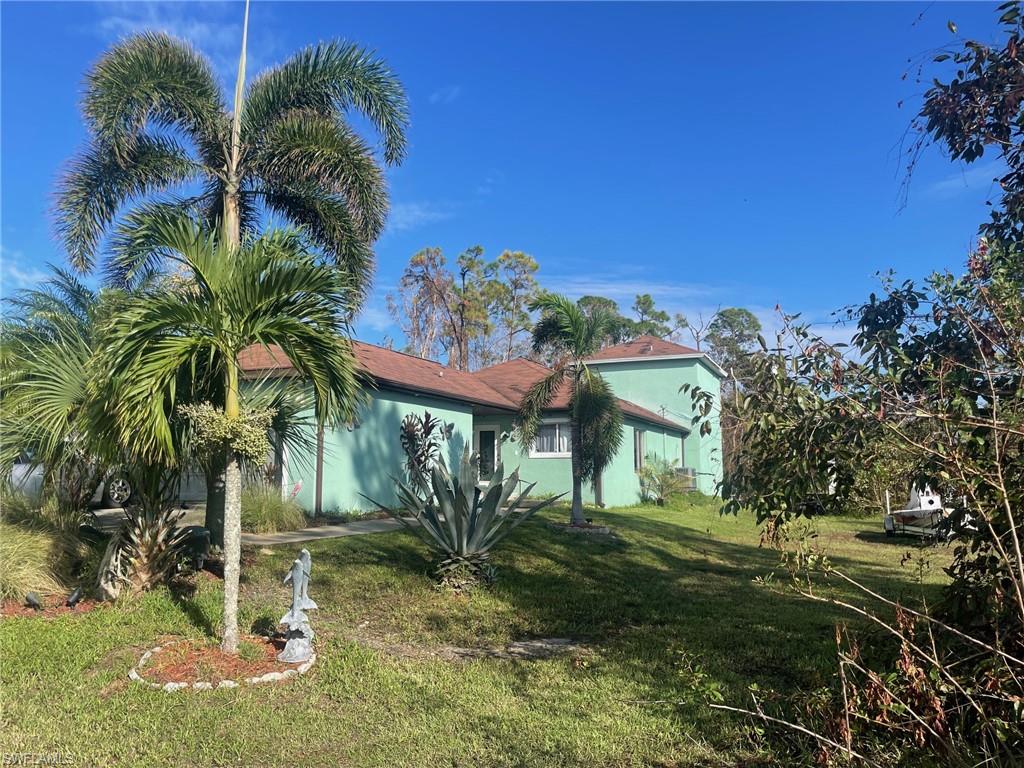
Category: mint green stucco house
[363,457]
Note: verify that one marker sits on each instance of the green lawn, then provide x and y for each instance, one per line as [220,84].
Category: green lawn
[676,580]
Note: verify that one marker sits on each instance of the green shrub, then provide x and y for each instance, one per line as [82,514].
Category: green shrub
[36,559]
[264,511]
[660,480]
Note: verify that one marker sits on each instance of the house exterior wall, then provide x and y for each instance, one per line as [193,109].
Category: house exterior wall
[620,483]
[654,384]
[364,460]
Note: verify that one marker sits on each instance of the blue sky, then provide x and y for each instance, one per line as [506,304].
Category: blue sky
[710,154]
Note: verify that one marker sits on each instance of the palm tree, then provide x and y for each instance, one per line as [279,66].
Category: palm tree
[49,339]
[267,290]
[159,124]
[162,139]
[595,420]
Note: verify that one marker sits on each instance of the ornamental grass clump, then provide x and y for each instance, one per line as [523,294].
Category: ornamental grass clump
[35,559]
[265,511]
[463,521]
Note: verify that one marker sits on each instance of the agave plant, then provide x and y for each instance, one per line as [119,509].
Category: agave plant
[463,521]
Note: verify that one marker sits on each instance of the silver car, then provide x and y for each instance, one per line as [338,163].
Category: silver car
[114,489]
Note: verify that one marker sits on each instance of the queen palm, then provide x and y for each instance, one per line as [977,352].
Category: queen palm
[570,336]
[267,290]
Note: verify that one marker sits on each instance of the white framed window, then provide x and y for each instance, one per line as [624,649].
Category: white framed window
[552,441]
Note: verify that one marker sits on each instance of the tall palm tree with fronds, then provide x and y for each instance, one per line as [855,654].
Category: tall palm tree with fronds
[570,336]
[163,139]
[268,290]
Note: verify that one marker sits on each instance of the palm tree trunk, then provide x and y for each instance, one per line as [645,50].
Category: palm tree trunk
[233,472]
[231,233]
[232,521]
[576,448]
[214,521]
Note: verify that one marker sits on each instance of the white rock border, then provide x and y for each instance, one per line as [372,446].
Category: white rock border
[269,677]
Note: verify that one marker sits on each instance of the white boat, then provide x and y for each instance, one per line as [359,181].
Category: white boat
[922,515]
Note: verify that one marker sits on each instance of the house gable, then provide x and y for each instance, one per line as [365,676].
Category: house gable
[650,372]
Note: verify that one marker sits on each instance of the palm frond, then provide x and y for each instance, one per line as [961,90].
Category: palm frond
[138,246]
[98,185]
[596,409]
[331,79]
[535,402]
[306,149]
[269,291]
[153,79]
[56,306]
[325,218]
[562,323]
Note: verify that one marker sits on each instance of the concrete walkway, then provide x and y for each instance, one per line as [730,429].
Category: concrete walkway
[109,520]
[355,528]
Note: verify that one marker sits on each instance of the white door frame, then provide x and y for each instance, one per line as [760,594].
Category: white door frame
[496,429]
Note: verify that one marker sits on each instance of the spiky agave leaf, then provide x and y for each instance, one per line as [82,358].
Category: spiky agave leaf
[458,521]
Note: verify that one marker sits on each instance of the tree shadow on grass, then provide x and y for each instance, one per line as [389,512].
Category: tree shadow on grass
[185,596]
[702,595]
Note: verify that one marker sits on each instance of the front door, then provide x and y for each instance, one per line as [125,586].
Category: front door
[485,443]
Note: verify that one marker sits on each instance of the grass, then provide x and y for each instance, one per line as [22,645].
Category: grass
[264,511]
[677,580]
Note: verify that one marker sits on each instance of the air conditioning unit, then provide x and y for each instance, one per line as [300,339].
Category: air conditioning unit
[689,477]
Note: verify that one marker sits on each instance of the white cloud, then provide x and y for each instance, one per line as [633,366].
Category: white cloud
[493,179]
[413,215]
[969,177]
[698,302]
[446,94]
[214,28]
[376,319]
[14,275]
[623,287]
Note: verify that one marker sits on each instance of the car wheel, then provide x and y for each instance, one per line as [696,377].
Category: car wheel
[117,491]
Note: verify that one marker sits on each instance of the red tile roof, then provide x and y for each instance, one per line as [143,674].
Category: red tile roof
[499,386]
[396,369]
[644,346]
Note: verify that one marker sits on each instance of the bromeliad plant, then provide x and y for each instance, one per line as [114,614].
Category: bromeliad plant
[463,521]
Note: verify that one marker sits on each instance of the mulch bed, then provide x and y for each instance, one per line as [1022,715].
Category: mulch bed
[202,665]
[53,606]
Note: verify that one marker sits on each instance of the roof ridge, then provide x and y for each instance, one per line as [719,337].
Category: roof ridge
[520,359]
[438,363]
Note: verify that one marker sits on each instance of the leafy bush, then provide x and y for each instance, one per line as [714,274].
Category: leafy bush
[36,559]
[936,374]
[463,522]
[660,480]
[886,467]
[264,511]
